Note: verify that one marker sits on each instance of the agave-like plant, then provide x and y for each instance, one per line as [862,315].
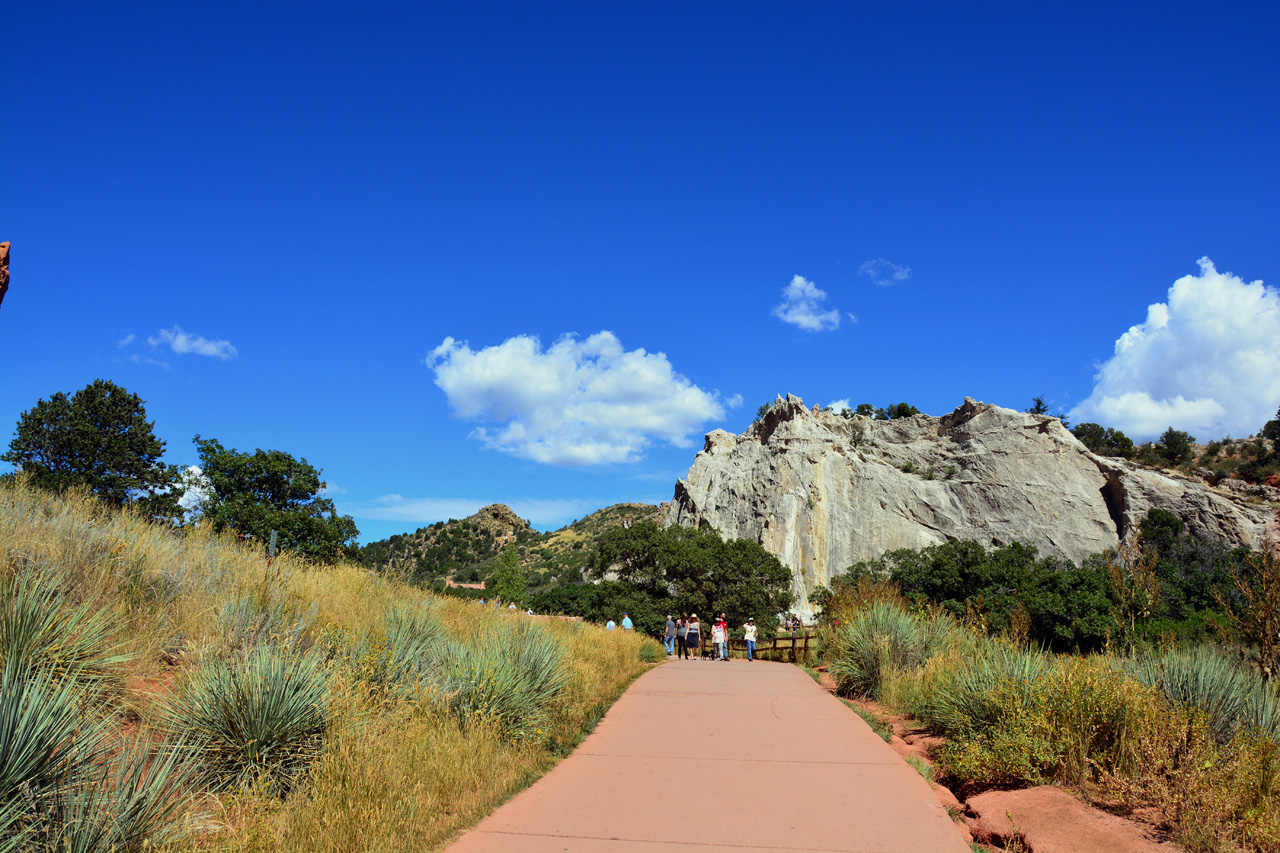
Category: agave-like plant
[1205,679]
[133,802]
[248,621]
[260,720]
[881,638]
[50,727]
[510,676]
[975,696]
[41,628]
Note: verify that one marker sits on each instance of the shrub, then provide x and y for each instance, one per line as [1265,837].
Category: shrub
[261,721]
[510,676]
[1204,679]
[43,629]
[879,639]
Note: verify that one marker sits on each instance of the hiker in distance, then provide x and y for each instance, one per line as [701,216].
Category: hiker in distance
[717,639]
[724,637]
[626,623]
[682,629]
[692,637]
[669,637]
[749,634]
[610,625]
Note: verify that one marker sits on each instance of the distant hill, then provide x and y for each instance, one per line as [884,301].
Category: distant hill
[464,550]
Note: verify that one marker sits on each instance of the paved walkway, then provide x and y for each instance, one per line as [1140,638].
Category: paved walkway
[704,757]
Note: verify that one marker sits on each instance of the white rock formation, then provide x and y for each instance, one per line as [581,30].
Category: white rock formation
[822,492]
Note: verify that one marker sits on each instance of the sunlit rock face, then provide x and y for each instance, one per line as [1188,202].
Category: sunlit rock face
[822,492]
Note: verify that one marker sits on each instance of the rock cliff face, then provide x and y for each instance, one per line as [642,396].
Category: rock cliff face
[823,492]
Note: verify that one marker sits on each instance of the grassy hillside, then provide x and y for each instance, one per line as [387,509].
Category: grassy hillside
[171,689]
[465,550]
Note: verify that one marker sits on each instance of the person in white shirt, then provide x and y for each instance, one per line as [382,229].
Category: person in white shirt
[749,633]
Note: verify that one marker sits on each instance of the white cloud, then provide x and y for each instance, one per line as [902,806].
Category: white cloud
[539,512]
[579,402]
[182,343]
[141,359]
[196,491]
[884,273]
[126,340]
[1206,361]
[838,406]
[802,306]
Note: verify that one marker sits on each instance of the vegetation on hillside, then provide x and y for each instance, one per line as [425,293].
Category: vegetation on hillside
[466,550]
[99,439]
[168,688]
[1058,605]
[1191,733]
[649,571]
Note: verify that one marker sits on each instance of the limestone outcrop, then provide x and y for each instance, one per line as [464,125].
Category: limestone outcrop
[822,492]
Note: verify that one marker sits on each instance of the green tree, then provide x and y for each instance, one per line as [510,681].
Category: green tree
[267,490]
[1104,442]
[866,410]
[1175,445]
[1271,432]
[508,580]
[1038,406]
[893,412]
[695,571]
[98,438]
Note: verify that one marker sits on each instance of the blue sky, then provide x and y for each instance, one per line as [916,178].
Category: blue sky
[504,252]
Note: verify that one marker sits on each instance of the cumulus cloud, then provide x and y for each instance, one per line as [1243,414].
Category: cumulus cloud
[1206,361]
[884,273]
[196,491]
[801,306]
[182,343]
[579,402]
[839,405]
[426,510]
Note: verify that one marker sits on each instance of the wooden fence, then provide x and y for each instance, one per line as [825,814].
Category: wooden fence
[793,647]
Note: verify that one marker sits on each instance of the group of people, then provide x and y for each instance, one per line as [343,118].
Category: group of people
[626,624]
[685,634]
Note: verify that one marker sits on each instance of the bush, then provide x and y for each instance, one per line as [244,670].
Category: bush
[1204,679]
[880,639]
[262,721]
[41,627]
[510,676]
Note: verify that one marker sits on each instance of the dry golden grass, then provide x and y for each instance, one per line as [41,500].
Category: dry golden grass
[394,775]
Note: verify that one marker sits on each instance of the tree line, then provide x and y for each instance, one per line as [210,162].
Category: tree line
[99,439]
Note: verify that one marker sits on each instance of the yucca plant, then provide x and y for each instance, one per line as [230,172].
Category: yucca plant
[262,720]
[880,638]
[50,727]
[1205,679]
[41,627]
[975,696]
[510,676]
[131,803]
[248,621]
[397,654]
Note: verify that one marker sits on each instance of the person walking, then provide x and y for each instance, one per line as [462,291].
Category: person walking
[626,622]
[717,638]
[692,637]
[682,629]
[669,637]
[609,626]
[749,634]
[724,641]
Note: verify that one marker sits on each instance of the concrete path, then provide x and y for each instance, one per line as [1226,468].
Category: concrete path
[708,757]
